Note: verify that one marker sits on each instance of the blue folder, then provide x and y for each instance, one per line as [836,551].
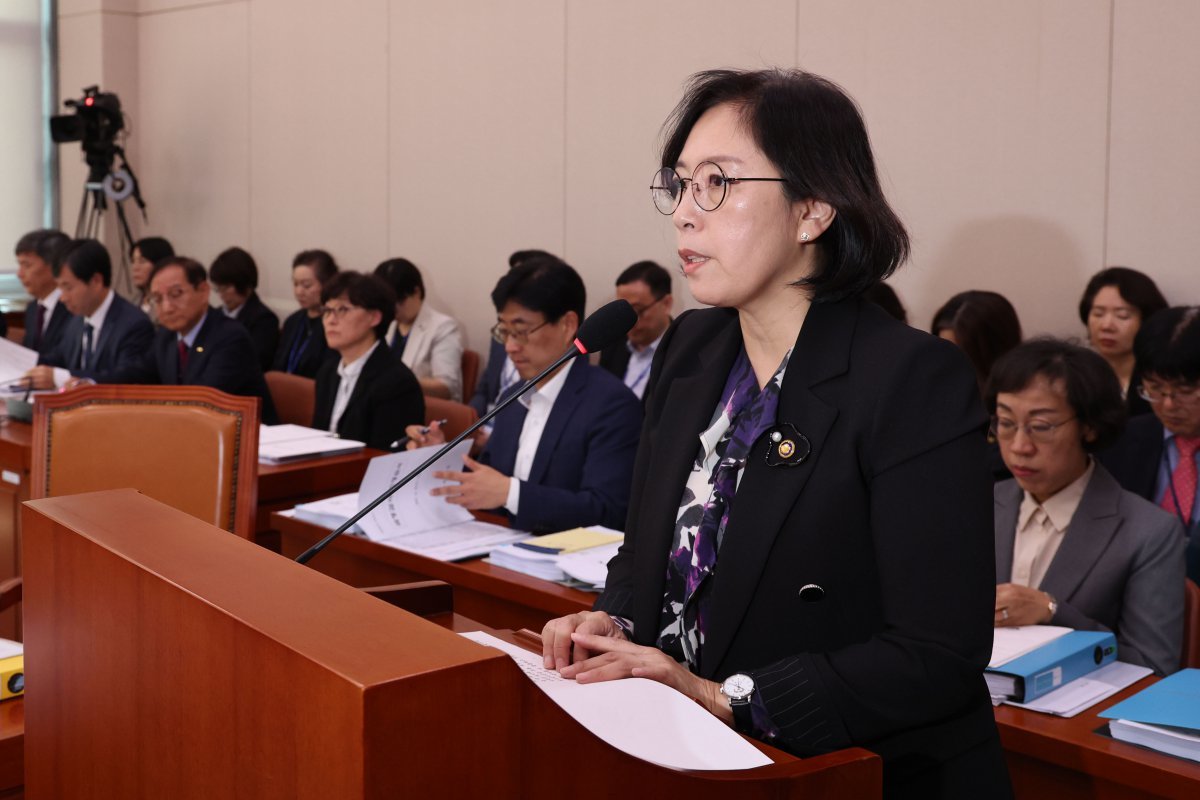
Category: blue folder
[1173,701]
[1055,663]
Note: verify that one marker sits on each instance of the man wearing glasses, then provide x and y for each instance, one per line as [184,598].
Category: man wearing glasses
[197,345]
[562,456]
[647,287]
[1158,455]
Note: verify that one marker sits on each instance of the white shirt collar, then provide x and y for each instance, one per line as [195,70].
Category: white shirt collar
[649,349]
[189,338]
[355,367]
[50,301]
[549,390]
[96,320]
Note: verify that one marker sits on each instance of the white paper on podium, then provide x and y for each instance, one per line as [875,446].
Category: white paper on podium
[644,718]
[15,360]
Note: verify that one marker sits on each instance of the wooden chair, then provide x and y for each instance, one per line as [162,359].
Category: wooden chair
[16,334]
[1191,625]
[191,447]
[295,396]
[458,416]
[470,373]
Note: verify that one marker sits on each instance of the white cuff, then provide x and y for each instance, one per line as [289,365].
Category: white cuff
[61,376]
[514,496]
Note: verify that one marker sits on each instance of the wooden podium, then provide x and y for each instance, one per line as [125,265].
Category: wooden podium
[168,658]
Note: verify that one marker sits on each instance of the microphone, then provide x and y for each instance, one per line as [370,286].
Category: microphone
[605,327]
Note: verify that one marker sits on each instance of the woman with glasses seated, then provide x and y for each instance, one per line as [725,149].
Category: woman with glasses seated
[366,394]
[1158,456]
[1072,547]
[302,348]
[808,551]
[559,457]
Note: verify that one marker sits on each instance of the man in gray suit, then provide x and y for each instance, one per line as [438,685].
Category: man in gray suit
[1072,547]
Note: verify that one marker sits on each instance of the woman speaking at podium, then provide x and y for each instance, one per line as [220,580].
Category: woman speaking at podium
[808,551]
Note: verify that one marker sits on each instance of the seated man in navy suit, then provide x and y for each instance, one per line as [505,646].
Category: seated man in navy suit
[1158,456]
[197,345]
[107,338]
[45,317]
[562,456]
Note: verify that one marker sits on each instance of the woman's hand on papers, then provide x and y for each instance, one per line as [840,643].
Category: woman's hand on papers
[620,658]
[482,487]
[1021,605]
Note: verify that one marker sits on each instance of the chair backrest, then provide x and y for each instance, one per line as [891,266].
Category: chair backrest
[15,334]
[191,447]
[458,416]
[470,373]
[1191,625]
[295,396]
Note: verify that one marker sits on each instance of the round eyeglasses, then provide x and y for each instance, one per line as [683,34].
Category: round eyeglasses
[709,183]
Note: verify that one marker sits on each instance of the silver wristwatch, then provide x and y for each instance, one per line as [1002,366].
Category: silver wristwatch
[738,688]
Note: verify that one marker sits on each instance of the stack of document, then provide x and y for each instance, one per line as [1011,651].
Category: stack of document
[1163,717]
[580,556]
[15,361]
[1051,665]
[282,443]
[412,519]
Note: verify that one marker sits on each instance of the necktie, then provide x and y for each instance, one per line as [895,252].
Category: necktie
[41,324]
[183,359]
[85,357]
[1183,480]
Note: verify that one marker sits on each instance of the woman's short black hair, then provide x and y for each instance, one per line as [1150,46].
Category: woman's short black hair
[320,262]
[403,276]
[985,325]
[364,291]
[813,133]
[544,284]
[85,258]
[153,248]
[235,267]
[1093,391]
[1167,346]
[193,271]
[1136,288]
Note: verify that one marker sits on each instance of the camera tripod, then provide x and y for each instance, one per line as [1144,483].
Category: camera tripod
[105,185]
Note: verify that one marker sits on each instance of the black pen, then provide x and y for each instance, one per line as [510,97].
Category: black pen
[425,429]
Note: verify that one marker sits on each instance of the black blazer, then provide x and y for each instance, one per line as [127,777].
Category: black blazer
[386,398]
[615,359]
[263,326]
[54,331]
[315,353]
[118,354]
[221,357]
[857,587]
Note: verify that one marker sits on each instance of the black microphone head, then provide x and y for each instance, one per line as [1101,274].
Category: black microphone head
[606,326]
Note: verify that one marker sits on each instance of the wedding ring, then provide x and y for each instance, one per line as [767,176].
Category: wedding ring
[1004,614]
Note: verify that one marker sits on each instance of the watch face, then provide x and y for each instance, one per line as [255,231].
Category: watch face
[738,686]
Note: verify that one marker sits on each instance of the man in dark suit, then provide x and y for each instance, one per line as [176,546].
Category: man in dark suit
[197,345]
[107,337]
[45,317]
[235,277]
[1158,456]
[562,456]
[647,287]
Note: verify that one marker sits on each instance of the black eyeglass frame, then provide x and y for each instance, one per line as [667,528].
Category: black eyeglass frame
[725,182]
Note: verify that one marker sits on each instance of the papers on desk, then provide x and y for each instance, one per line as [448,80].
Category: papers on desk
[282,443]
[1012,643]
[15,361]
[1164,716]
[579,556]
[1083,693]
[644,718]
[412,519]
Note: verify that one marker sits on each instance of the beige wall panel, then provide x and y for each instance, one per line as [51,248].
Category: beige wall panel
[72,7]
[476,144]
[80,54]
[626,65]
[318,121]
[194,155]
[989,122]
[1154,187]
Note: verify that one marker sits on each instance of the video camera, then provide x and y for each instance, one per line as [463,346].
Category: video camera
[96,122]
